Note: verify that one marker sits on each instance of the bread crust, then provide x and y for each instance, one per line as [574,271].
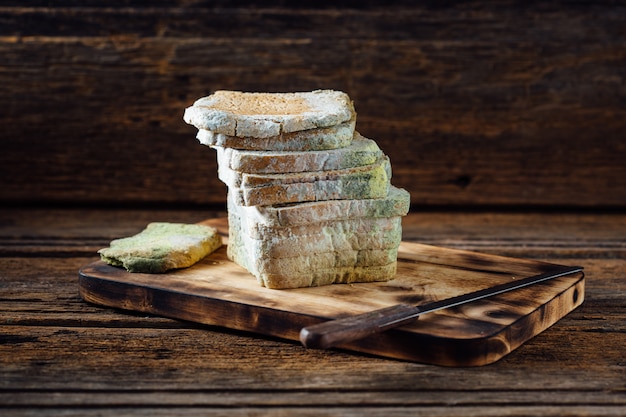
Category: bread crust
[325,138]
[345,275]
[395,203]
[341,236]
[355,250]
[370,181]
[264,115]
[361,151]
[162,246]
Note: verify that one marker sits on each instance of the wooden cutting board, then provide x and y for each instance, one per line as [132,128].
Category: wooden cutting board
[218,292]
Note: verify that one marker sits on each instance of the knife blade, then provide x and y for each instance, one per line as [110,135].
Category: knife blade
[341,331]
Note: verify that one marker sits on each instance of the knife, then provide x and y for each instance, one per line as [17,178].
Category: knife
[341,331]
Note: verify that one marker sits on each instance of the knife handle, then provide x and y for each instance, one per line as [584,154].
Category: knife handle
[340,331]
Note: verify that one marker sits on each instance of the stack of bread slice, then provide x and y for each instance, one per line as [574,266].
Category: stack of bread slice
[310,200]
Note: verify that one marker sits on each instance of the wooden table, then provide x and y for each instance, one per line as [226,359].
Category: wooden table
[487,110]
[62,356]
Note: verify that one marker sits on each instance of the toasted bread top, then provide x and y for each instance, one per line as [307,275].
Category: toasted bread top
[262,115]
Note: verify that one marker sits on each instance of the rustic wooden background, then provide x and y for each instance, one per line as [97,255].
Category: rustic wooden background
[477,103]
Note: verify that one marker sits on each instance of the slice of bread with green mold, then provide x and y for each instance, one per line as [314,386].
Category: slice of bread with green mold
[162,246]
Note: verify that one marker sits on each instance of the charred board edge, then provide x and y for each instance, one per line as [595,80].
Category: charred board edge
[104,285]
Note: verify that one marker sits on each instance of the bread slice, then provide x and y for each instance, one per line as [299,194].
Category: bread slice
[304,261]
[304,250]
[263,115]
[360,152]
[300,265]
[238,179]
[384,233]
[266,219]
[315,270]
[308,268]
[320,276]
[369,181]
[357,226]
[162,246]
[332,137]
[344,275]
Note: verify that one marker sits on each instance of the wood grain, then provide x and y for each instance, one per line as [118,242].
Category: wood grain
[60,355]
[476,104]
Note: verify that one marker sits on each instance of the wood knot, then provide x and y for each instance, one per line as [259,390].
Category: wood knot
[462,181]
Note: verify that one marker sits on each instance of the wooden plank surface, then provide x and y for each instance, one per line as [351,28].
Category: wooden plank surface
[216,291]
[62,356]
[476,104]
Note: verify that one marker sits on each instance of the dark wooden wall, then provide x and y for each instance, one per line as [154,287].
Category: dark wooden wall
[477,103]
